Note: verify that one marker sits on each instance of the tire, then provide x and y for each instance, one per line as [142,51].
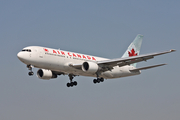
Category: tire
[94,81]
[68,84]
[30,73]
[75,83]
[98,81]
[102,79]
[71,84]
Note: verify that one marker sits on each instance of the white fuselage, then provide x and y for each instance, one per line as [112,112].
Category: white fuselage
[60,60]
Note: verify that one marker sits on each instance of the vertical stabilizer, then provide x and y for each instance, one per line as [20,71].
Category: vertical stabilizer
[134,48]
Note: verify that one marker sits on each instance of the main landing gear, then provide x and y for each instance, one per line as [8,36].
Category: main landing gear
[98,80]
[30,68]
[72,83]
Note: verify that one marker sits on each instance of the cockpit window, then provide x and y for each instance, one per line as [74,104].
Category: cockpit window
[27,50]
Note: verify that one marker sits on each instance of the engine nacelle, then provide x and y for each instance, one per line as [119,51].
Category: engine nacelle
[90,67]
[45,74]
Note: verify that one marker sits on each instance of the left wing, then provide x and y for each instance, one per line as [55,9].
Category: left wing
[109,64]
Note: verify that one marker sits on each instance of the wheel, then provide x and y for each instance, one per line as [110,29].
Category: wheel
[30,73]
[98,80]
[68,84]
[71,84]
[94,81]
[102,79]
[75,83]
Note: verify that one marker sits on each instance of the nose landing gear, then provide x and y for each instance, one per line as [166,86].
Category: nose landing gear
[30,68]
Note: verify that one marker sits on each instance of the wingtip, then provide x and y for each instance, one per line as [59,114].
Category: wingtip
[162,64]
[172,50]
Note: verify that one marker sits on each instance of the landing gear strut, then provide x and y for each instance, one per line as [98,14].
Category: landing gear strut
[72,83]
[30,68]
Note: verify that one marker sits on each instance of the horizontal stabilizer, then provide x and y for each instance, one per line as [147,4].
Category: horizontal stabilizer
[143,68]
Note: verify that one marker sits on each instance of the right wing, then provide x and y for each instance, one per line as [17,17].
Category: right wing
[109,64]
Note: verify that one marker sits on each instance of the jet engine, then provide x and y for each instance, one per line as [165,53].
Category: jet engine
[90,67]
[45,74]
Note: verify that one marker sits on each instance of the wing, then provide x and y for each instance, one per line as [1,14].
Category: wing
[109,64]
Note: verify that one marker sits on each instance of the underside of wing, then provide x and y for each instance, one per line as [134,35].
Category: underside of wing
[148,67]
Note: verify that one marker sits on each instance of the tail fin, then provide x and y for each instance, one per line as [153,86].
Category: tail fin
[134,48]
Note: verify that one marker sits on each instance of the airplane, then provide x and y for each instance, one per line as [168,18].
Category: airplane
[54,62]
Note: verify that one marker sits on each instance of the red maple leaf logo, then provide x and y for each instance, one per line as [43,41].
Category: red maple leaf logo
[132,53]
[46,50]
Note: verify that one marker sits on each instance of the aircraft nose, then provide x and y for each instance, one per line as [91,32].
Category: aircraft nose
[20,55]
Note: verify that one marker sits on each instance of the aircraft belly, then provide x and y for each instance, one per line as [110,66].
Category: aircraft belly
[61,64]
[118,72]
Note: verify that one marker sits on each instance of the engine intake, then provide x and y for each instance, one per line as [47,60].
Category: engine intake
[45,74]
[90,67]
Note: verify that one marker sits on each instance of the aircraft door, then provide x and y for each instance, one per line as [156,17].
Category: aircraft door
[41,53]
